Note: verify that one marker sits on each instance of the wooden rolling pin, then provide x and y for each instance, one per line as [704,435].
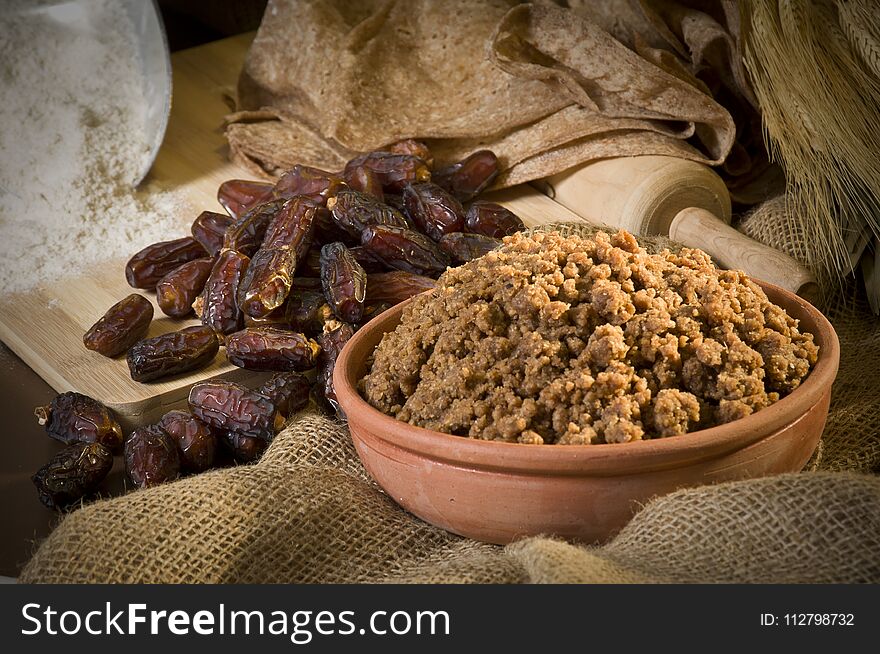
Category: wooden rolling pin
[684,200]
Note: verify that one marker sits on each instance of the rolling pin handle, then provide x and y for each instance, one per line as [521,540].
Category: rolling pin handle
[731,249]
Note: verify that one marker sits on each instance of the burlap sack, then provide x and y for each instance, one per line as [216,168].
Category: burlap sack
[308,512]
[544,86]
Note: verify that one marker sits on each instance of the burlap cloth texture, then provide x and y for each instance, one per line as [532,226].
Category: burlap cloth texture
[308,512]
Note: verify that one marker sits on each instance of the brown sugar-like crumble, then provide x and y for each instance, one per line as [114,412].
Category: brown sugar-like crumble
[571,340]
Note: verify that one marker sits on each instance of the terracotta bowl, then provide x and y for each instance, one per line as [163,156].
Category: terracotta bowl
[497,492]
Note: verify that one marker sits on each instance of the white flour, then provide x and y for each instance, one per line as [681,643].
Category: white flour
[71,143]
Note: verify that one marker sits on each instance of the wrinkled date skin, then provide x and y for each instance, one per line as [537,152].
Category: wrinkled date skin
[231,407]
[396,286]
[491,219]
[405,249]
[209,229]
[76,418]
[277,318]
[327,230]
[196,442]
[244,449]
[124,324]
[72,473]
[269,348]
[173,353]
[345,282]
[462,247]
[289,391]
[362,179]
[393,170]
[219,303]
[469,177]
[238,196]
[151,457]
[176,291]
[246,234]
[314,183]
[310,266]
[433,210]
[353,211]
[155,261]
[307,311]
[414,148]
[331,345]
[267,282]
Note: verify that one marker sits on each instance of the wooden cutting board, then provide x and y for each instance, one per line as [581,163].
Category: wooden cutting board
[45,327]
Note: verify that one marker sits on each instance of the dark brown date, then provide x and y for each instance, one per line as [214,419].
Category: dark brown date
[311,263]
[155,261]
[331,345]
[373,310]
[209,229]
[176,291]
[246,234]
[469,177]
[362,179]
[292,227]
[244,449]
[393,170]
[124,324]
[404,249]
[231,407]
[307,284]
[238,196]
[414,148]
[270,348]
[433,210]
[173,353]
[76,418]
[353,211]
[491,219]
[314,183]
[196,442]
[277,318]
[307,311]
[345,282]
[288,390]
[396,286]
[219,303]
[462,247]
[151,457]
[316,395]
[327,230]
[72,473]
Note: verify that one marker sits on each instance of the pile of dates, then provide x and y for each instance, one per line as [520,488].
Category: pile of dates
[281,281]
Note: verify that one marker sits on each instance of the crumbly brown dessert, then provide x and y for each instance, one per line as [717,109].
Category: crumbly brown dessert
[586,340]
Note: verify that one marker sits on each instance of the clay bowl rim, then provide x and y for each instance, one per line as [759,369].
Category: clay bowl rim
[605,459]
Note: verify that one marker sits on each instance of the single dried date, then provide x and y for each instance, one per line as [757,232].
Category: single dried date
[176,291]
[76,418]
[231,407]
[404,249]
[463,247]
[314,183]
[173,353]
[353,211]
[124,324]
[344,281]
[72,473]
[469,177]
[393,170]
[414,148]
[269,348]
[209,230]
[307,311]
[362,179]
[396,286]
[196,442]
[155,261]
[491,219]
[151,457]
[434,210]
[219,298]
[246,234]
[331,343]
[238,196]
[244,449]
[288,390]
